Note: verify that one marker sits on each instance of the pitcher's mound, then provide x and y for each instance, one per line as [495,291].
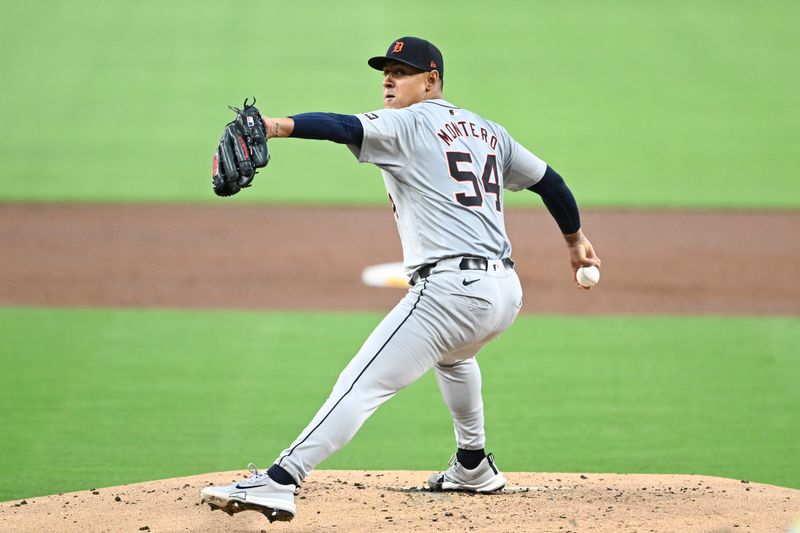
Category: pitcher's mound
[335,500]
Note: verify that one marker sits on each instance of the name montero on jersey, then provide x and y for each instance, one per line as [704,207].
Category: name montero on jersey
[460,129]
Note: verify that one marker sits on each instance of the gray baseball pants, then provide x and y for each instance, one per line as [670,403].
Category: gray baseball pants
[441,323]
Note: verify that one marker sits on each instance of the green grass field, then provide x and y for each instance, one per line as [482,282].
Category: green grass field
[679,103]
[98,398]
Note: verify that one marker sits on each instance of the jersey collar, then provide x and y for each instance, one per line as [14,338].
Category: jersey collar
[440,102]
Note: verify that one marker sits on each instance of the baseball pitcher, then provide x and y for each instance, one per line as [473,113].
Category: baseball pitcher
[446,170]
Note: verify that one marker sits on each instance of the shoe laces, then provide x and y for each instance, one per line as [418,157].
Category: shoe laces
[256,475]
[453,463]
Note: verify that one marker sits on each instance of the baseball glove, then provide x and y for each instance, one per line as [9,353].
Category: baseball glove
[242,149]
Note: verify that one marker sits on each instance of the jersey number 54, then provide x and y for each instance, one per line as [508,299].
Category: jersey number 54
[489,179]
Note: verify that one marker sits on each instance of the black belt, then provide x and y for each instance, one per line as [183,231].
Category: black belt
[467,263]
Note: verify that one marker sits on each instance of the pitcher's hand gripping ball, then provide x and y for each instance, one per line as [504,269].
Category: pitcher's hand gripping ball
[242,149]
[588,276]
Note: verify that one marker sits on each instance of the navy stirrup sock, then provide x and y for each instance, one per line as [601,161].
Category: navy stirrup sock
[279,475]
[470,459]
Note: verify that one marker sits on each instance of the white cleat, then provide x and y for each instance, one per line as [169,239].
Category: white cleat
[256,493]
[483,478]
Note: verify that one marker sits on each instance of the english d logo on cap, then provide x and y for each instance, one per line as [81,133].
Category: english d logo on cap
[413,51]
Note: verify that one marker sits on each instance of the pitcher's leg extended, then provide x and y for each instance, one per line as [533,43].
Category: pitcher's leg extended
[405,345]
[397,353]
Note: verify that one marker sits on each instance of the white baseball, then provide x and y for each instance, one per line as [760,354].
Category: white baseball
[588,276]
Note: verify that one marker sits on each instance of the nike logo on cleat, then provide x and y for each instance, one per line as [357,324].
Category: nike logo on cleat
[470,282]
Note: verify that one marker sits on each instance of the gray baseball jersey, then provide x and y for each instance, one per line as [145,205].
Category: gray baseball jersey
[445,169]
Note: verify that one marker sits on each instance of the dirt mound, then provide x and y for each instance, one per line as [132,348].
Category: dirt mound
[335,500]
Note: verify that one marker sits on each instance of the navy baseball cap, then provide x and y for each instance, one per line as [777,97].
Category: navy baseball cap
[413,51]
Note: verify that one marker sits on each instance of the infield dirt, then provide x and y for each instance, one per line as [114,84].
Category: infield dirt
[266,257]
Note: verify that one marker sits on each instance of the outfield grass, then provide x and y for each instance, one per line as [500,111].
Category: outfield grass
[679,103]
[99,398]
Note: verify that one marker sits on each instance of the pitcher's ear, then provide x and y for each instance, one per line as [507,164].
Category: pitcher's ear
[433,77]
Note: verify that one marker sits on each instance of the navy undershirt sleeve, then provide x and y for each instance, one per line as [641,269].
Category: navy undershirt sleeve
[559,201]
[342,129]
